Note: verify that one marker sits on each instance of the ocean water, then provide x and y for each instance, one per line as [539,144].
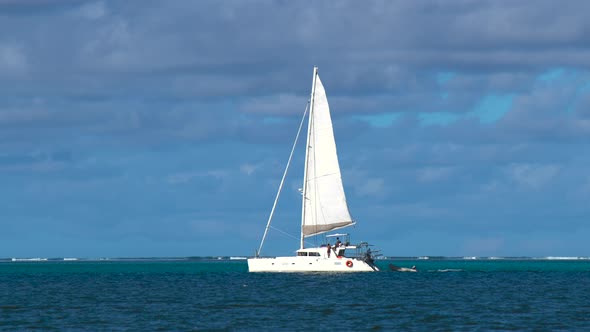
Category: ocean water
[187,295]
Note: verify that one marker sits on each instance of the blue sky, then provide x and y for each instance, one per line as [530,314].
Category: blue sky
[161,128]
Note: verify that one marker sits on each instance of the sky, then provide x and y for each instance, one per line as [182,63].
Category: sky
[162,128]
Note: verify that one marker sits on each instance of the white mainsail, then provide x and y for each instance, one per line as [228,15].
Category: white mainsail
[325,206]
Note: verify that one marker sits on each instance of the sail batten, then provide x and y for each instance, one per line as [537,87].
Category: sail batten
[325,202]
[319,177]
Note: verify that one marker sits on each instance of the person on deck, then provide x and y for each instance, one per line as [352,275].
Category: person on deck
[329,250]
[337,243]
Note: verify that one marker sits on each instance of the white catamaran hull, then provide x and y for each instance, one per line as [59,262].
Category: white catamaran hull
[309,264]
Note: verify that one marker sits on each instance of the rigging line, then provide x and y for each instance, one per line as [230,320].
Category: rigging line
[287,234]
[274,205]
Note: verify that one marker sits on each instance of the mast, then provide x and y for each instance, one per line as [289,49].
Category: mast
[307,147]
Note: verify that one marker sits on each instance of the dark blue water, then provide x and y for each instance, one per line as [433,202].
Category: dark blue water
[222,295]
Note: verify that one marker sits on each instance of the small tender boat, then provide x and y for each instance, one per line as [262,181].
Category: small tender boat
[402,269]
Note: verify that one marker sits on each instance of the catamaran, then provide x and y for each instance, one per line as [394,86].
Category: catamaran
[324,207]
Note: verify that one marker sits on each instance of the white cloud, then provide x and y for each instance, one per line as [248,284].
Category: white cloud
[249,169]
[531,175]
[432,174]
[117,79]
[185,177]
[91,11]
[109,46]
[420,210]
[371,187]
[584,190]
[12,60]
[282,104]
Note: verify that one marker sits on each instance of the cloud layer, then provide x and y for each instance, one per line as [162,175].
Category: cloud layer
[149,128]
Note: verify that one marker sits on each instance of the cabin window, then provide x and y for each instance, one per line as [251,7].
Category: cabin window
[314,254]
[302,253]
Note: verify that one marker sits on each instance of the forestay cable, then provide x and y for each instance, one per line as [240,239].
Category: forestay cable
[272,211]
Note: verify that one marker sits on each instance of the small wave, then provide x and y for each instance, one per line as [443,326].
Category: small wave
[29,259]
[562,257]
[449,270]
[237,258]
[469,257]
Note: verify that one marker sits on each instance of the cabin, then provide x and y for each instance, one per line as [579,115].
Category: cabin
[311,252]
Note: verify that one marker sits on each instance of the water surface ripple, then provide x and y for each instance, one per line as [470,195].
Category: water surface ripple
[221,295]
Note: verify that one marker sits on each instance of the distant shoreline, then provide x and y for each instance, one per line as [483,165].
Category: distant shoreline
[242,258]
